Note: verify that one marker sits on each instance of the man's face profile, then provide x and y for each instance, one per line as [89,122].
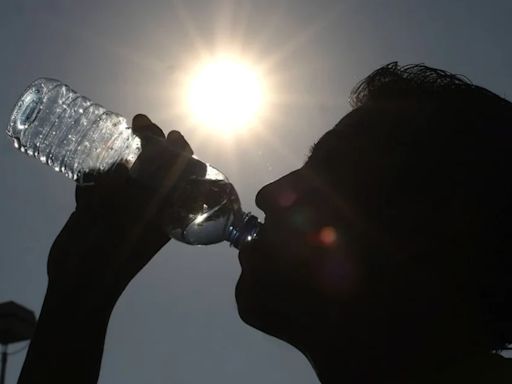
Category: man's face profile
[304,265]
[341,248]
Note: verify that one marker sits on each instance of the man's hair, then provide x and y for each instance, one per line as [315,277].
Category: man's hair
[418,81]
[473,126]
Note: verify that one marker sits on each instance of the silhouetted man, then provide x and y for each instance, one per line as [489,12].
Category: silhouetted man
[384,259]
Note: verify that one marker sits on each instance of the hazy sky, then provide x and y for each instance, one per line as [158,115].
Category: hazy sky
[177,321]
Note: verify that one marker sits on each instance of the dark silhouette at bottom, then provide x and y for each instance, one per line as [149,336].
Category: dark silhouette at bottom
[384,259]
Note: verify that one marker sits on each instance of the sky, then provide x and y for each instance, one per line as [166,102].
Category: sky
[177,321]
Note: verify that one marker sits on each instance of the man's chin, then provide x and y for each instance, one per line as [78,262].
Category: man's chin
[245,304]
[250,307]
[258,312]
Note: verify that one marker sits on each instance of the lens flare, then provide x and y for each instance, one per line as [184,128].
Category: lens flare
[327,236]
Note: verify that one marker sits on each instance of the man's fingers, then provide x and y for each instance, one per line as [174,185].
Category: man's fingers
[177,142]
[143,127]
[105,185]
[117,175]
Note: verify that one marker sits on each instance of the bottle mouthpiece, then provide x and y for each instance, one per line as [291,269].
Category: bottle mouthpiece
[245,232]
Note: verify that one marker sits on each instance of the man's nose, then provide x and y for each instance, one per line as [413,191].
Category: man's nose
[279,194]
[262,197]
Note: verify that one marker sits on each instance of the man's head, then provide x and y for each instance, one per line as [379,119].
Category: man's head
[395,230]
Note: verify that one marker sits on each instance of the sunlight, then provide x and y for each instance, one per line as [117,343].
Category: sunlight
[225,95]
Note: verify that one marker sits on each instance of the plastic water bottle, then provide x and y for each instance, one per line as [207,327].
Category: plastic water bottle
[75,136]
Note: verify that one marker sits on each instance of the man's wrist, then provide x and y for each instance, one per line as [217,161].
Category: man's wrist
[67,345]
[76,306]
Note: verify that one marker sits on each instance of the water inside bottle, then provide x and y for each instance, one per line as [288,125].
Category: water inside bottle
[203,211]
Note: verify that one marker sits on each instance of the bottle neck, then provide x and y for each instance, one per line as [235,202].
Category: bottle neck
[243,232]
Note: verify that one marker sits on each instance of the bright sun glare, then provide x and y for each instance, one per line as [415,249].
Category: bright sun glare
[225,95]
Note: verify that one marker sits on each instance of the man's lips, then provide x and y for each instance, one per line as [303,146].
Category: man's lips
[252,249]
[247,251]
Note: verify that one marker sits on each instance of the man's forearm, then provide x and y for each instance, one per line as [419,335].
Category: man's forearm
[68,343]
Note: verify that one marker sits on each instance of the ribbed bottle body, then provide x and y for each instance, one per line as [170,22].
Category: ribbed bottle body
[68,131]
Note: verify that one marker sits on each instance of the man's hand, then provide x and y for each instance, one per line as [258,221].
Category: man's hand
[117,224]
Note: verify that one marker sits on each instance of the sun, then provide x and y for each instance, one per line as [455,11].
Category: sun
[226,95]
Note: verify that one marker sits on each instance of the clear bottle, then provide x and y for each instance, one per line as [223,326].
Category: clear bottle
[75,136]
